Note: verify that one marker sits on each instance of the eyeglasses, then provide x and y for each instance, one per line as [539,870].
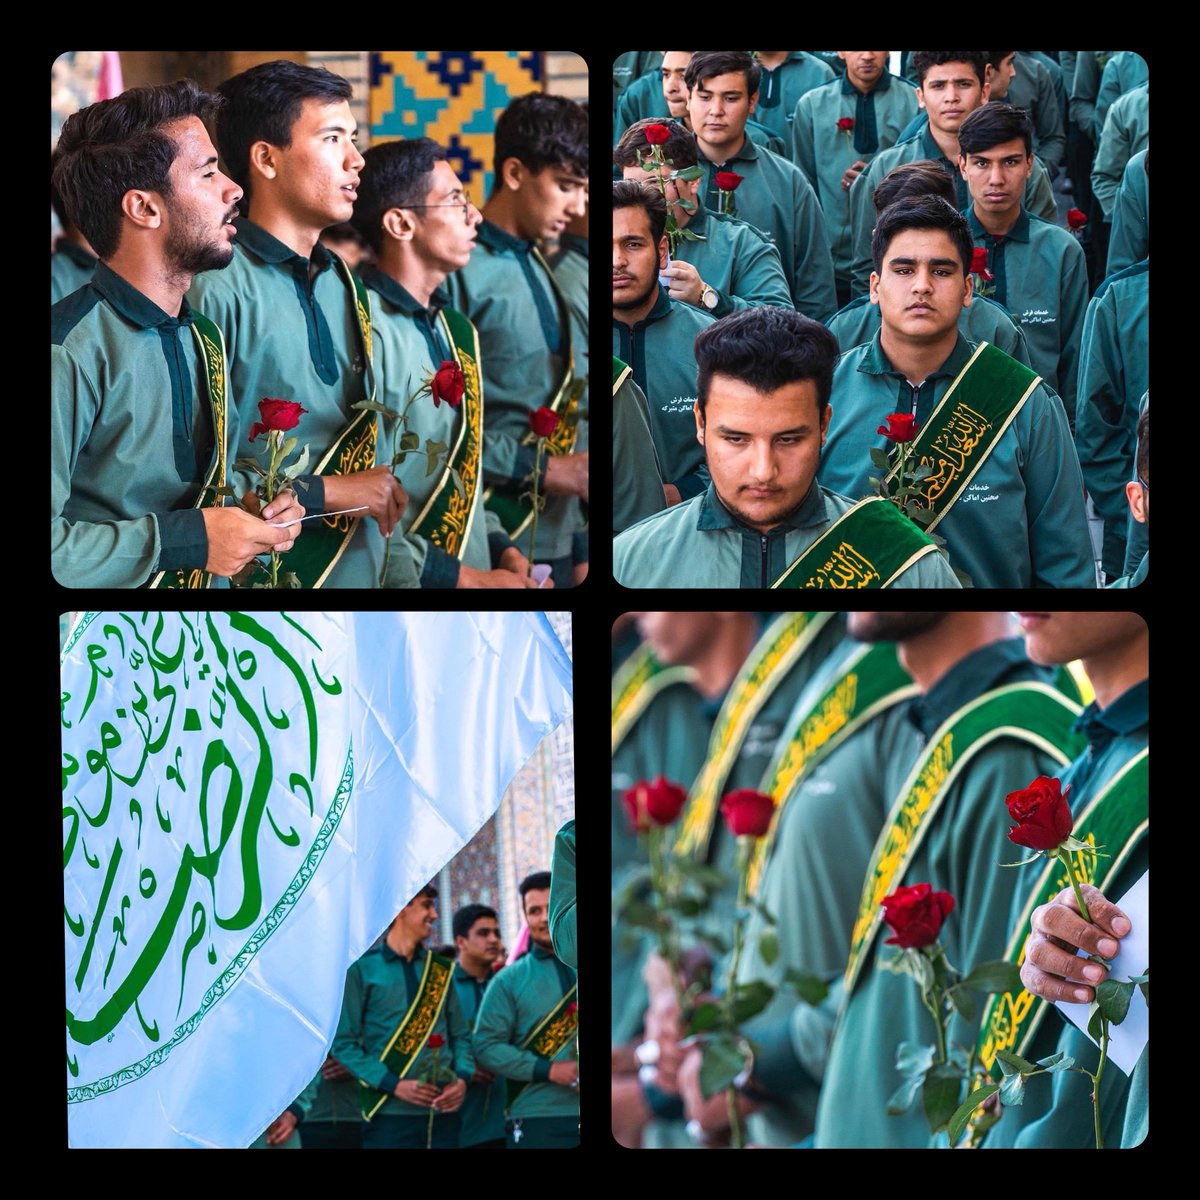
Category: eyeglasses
[464,204]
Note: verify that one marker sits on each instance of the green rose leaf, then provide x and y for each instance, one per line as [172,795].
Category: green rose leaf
[409,440]
[642,915]
[1096,1025]
[1113,999]
[721,1063]
[904,1095]
[288,446]
[808,987]
[749,999]
[1011,1063]
[768,947]
[879,458]
[963,1001]
[1012,1090]
[994,977]
[705,1016]
[1056,1062]
[688,174]
[939,1095]
[371,406]
[913,1059]
[962,1114]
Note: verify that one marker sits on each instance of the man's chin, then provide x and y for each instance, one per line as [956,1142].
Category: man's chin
[764,514]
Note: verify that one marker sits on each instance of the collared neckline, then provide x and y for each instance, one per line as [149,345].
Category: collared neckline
[875,362]
[748,152]
[933,150]
[881,85]
[133,305]
[1128,712]
[714,515]
[538,952]
[979,672]
[699,214]
[270,249]
[76,253]
[390,955]
[662,308]
[461,973]
[398,295]
[1018,233]
[500,239]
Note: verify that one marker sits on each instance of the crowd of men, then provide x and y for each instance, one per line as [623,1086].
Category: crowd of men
[905,203]
[887,744]
[453,1047]
[199,311]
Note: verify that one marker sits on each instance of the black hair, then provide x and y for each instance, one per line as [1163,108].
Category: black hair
[921,212]
[922,60]
[628,193]
[542,131]
[532,883]
[428,890]
[707,63]
[263,104]
[468,915]
[113,146]
[394,175]
[767,348]
[993,125]
[679,149]
[1143,444]
[925,177]
[996,57]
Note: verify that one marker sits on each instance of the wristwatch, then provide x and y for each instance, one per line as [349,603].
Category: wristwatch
[708,297]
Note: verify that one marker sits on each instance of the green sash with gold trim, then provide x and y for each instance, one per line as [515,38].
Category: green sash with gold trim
[1029,712]
[547,1038]
[621,372]
[211,346]
[1116,818]
[638,680]
[774,654]
[869,683]
[868,546]
[967,424]
[447,517]
[413,1031]
[516,512]
[323,542]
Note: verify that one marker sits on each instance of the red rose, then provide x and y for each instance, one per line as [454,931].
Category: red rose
[1076,219]
[845,124]
[543,421]
[900,427]
[276,414]
[657,803]
[727,181]
[1042,814]
[979,263]
[916,915]
[747,812]
[447,385]
[656,134]
[572,1007]
[436,1041]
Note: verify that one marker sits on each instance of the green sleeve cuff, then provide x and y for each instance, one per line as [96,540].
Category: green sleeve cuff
[390,1079]
[498,541]
[297,1112]
[466,1076]
[311,497]
[541,1071]
[776,1068]
[440,569]
[183,541]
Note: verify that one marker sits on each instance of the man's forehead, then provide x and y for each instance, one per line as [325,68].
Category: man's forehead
[951,70]
[191,137]
[918,243]
[732,81]
[734,402]
[320,114]
[1003,150]
[631,221]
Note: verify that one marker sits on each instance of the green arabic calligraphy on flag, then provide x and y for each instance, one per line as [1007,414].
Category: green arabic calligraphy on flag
[248,799]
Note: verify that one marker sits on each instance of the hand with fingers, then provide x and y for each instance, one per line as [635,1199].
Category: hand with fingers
[1052,968]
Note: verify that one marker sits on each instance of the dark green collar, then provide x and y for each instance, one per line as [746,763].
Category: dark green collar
[270,249]
[135,307]
[462,976]
[875,362]
[748,153]
[881,85]
[76,253]
[1128,712]
[662,308]
[498,239]
[389,955]
[714,515]
[538,952]
[1018,233]
[397,295]
[932,149]
[983,669]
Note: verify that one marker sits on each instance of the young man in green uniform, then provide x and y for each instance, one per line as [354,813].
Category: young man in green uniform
[141,426]
[773,195]
[334,1121]
[787,77]
[295,321]
[1109,792]
[525,1032]
[413,213]
[986,715]
[398,996]
[529,354]
[722,264]
[983,320]
[762,417]
[477,937]
[1115,376]
[832,154]
[654,335]
[1038,269]
[951,88]
[637,477]
[1006,487]
[1130,239]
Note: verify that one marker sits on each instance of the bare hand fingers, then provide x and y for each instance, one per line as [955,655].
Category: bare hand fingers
[1103,912]
[1050,958]
[1062,920]
[1050,987]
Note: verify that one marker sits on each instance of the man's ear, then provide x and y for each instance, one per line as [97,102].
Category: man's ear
[662,252]
[512,173]
[398,224]
[144,208]
[264,158]
[825,424]
[753,103]
[699,414]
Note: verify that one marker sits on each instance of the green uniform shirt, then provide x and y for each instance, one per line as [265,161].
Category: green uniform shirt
[1085,86]
[700,544]
[570,269]
[410,345]
[1037,199]
[1116,374]
[1124,71]
[483,1110]
[824,152]
[1031,531]
[517,1000]
[296,339]
[659,349]
[781,89]
[959,854]
[380,988]
[983,320]
[736,260]
[131,437]
[1032,89]
[775,197]
[508,294]
[71,266]
[632,65]
[1130,239]
[812,884]
[1126,131]
[1054,1113]
[562,896]
[637,477]
[1041,278]
[336,1101]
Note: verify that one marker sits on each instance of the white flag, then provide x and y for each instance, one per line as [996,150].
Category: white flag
[248,800]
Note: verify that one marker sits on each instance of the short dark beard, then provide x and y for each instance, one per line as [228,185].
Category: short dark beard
[743,519]
[893,626]
[625,305]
